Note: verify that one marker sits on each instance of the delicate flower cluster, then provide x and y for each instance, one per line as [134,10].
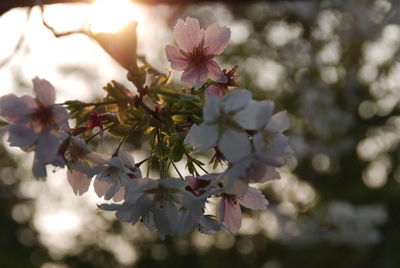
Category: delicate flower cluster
[242,133]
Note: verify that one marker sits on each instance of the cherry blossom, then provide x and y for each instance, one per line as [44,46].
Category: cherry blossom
[219,128]
[270,149]
[35,124]
[80,160]
[118,172]
[195,52]
[229,208]
[156,201]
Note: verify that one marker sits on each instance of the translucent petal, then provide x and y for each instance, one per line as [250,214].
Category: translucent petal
[279,122]
[195,76]
[44,91]
[255,115]
[253,199]
[21,136]
[234,145]
[216,39]
[236,100]
[178,61]
[188,35]
[202,137]
[211,109]
[214,72]
[78,181]
[230,215]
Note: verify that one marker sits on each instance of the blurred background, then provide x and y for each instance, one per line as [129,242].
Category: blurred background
[333,65]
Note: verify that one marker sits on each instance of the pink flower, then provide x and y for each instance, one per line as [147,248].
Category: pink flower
[219,89]
[196,49]
[229,209]
[35,124]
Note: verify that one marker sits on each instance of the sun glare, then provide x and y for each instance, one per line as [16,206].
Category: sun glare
[112,15]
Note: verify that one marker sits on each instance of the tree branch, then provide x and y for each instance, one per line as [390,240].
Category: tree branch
[6,5]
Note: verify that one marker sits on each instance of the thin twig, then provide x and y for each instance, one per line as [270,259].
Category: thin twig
[175,167]
[59,34]
[119,145]
[97,133]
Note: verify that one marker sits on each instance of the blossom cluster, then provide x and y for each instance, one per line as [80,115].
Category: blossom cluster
[210,115]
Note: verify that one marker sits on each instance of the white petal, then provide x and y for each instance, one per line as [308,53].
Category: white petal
[279,122]
[202,137]
[21,136]
[98,158]
[255,115]
[236,100]
[234,145]
[47,146]
[16,109]
[126,158]
[170,183]
[211,109]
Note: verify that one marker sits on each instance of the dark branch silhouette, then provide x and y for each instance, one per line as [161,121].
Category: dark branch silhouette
[6,5]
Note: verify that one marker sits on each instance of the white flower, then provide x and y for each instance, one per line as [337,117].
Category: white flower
[117,173]
[158,202]
[79,158]
[270,149]
[219,127]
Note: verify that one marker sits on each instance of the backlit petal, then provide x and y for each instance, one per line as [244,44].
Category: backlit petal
[202,137]
[253,199]
[78,181]
[216,39]
[178,61]
[236,100]
[234,145]
[230,215]
[188,35]
[44,91]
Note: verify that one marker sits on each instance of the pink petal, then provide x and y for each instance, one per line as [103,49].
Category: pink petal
[230,215]
[101,187]
[216,39]
[126,158]
[78,181]
[188,35]
[215,90]
[214,72]
[16,109]
[120,195]
[253,199]
[44,91]
[178,61]
[195,77]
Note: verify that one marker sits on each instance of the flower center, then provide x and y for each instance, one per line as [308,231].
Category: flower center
[199,56]
[44,115]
